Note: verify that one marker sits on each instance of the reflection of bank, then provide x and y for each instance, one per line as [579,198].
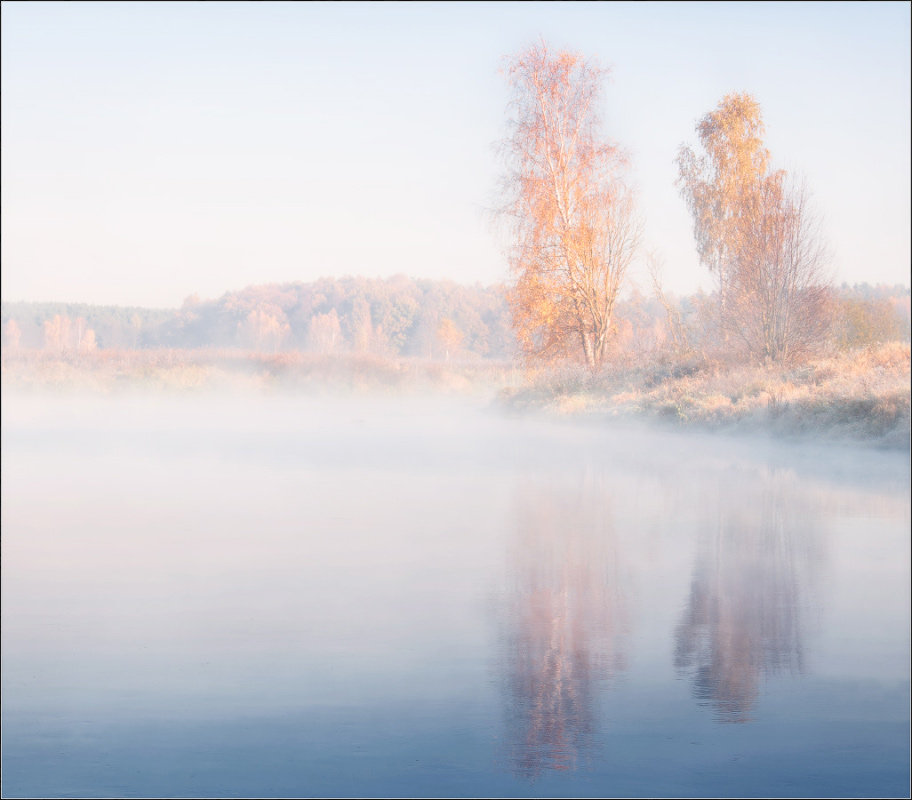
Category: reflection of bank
[743,617]
[563,624]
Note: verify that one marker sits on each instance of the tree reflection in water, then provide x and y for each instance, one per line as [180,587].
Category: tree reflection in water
[564,623]
[743,618]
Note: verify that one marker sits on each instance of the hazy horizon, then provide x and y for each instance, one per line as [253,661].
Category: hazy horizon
[153,151]
[625,294]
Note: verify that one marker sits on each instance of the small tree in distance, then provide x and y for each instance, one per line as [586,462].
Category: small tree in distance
[12,335]
[265,328]
[574,233]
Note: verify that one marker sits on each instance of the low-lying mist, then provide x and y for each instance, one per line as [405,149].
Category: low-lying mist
[386,578]
[407,430]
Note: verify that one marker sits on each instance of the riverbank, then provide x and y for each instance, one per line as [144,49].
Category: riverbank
[861,396]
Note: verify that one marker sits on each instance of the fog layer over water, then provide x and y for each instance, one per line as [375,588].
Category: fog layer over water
[418,596]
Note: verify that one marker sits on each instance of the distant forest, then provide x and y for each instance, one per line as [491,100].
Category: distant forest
[393,317]
[397,316]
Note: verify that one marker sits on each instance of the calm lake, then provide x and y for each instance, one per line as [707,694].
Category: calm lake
[272,597]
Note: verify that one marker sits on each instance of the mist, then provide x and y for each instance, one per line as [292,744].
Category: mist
[436,400]
[231,593]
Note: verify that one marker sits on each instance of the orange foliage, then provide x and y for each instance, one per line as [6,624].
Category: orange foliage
[755,231]
[573,223]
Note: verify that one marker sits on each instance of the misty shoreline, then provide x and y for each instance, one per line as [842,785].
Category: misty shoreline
[861,399]
[796,426]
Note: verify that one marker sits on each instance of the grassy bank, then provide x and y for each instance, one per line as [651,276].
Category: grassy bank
[860,396]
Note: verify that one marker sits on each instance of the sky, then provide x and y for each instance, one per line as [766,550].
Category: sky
[153,151]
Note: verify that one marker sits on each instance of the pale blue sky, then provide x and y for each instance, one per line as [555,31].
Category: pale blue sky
[153,151]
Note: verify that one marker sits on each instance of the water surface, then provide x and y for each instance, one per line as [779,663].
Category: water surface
[213,596]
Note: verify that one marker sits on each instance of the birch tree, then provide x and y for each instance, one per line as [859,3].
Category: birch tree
[756,232]
[574,231]
[717,182]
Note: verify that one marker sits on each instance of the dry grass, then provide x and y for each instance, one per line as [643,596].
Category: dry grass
[862,395]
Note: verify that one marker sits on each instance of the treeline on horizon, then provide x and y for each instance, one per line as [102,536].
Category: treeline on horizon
[394,317]
[397,316]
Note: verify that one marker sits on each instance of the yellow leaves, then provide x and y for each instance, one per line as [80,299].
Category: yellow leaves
[265,327]
[720,185]
[63,334]
[11,334]
[571,213]
[754,231]
[450,335]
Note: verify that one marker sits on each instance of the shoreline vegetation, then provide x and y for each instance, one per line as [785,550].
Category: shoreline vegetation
[860,396]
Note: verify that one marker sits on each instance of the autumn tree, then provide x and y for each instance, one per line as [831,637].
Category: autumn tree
[757,234]
[361,326]
[12,335]
[83,337]
[265,328]
[574,231]
[88,343]
[450,336]
[61,334]
[866,321]
[57,332]
[782,304]
[325,332]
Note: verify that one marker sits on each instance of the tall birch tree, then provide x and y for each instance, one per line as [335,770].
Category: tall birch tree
[574,230]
